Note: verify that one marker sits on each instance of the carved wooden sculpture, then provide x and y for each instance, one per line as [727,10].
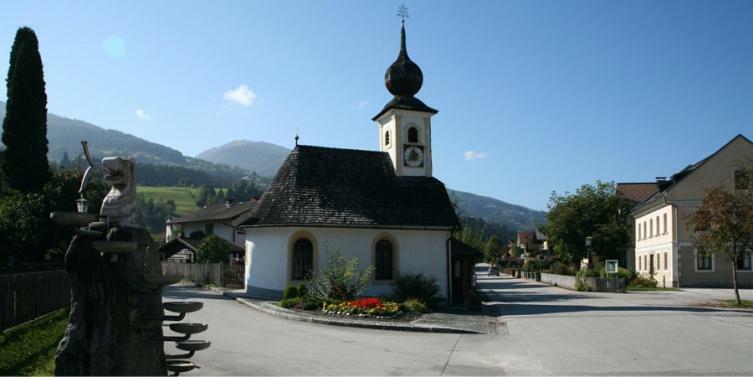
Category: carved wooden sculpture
[115,324]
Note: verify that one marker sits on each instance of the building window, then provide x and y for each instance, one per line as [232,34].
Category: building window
[208,229]
[743,180]
[658,262]
[658,229]
[640,263]
[413,135]
[387,138]
[743,262]
[651,228]
[665,224]
[303,259]
[639,231]
[704,261]
[384,260]
[645,235]
[666,265]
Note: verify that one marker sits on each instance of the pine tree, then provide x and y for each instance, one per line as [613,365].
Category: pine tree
[65,162]
[25,165]
[203,196]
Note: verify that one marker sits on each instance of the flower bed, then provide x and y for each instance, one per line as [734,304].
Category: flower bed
[364,307]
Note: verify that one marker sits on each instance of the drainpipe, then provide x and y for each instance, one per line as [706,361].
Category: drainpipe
[449,271]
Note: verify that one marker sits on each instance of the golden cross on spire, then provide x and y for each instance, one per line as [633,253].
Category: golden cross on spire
[402,12]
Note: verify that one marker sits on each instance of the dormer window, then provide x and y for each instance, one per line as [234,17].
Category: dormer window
[413,135]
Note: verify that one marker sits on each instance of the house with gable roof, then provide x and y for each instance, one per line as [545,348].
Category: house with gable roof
[663,247]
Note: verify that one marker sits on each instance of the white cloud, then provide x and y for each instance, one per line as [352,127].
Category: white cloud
[141,114]
[473,155]
[241,95]
[362,104]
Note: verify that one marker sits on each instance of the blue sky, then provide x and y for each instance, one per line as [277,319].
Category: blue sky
[547,95]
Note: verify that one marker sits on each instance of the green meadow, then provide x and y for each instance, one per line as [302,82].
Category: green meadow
[184,197]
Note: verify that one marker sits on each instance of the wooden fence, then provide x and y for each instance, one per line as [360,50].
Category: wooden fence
[220,274]
[24,297]
[591,284]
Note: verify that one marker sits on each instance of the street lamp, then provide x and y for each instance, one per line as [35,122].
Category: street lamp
[589,240]
[82,205]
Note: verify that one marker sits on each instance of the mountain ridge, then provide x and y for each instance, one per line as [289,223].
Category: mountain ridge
[260,156]
[233,159]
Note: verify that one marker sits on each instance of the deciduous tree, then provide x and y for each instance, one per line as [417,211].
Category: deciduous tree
[212,249]
[723,225]
[593,211]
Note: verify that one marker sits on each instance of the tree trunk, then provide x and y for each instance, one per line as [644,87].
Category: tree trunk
[734,280]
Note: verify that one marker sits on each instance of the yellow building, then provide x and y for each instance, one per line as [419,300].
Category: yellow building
[663,248]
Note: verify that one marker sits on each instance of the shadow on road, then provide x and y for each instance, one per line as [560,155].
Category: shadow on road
[514,297]
[508,309]
[187,292]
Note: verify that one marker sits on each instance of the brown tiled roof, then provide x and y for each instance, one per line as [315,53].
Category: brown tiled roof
[331,187]
[637,192]
[524,236]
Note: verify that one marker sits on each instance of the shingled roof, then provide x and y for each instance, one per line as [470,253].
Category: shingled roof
[217,213]
[319,186]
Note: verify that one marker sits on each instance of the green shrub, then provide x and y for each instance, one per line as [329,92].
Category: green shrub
[303,291]
[643,282]
[589,273]
[580,283]
[291,291]
[533,265]
[626,274]
[340,280]
[291,302]
[417,286]
[559,268]
[413,305]
[212,249]
[310,305]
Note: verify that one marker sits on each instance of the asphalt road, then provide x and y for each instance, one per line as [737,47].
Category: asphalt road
[550,331]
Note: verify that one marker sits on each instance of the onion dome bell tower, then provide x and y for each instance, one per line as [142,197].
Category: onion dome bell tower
[405,122]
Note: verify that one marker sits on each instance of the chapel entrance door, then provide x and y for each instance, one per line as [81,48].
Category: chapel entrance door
[461,279]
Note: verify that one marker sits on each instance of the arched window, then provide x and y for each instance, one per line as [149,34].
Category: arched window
[387,138]
[303,259]
[413,135]
[383,260]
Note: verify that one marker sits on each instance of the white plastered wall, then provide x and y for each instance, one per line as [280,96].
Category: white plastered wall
[267,269]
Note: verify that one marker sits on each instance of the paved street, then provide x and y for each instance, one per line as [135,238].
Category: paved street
[550,331]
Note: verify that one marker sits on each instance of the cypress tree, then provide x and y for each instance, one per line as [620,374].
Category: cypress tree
[25,164]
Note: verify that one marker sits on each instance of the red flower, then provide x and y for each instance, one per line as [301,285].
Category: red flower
[366,303]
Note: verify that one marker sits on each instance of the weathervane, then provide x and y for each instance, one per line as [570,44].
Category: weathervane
[402,12]
[296,136]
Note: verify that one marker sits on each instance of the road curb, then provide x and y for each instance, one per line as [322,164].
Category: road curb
[291,315]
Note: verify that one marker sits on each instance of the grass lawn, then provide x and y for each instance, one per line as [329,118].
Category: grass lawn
[29,349]
[733,304]
[184,197]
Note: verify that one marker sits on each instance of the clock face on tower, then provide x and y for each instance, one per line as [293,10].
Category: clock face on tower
[413,156]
